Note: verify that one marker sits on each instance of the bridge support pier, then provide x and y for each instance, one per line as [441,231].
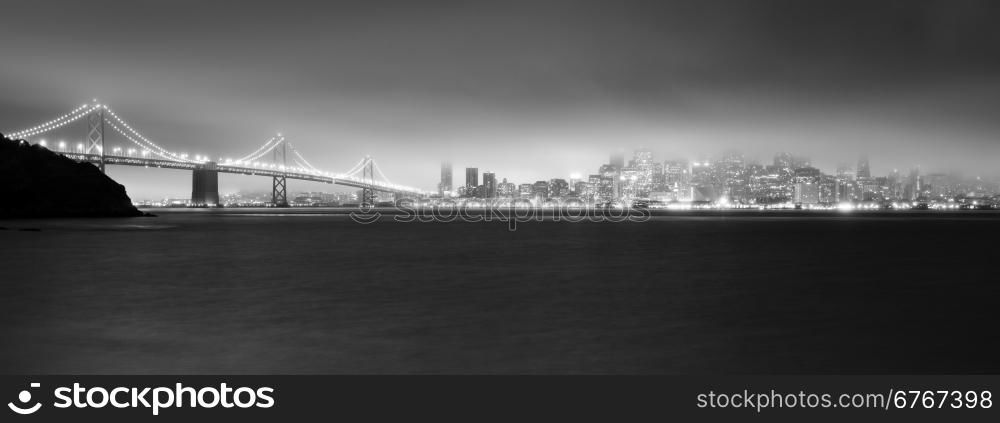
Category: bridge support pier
[279,194]
[205,186]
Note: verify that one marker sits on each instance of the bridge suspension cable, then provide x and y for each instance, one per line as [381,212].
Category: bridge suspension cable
[304,163]
[142,141]
[162,154]
[361,164]
[74,115]
[379,171]
[268,146]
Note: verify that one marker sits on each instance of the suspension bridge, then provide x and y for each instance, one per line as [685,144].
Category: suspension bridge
[277,159]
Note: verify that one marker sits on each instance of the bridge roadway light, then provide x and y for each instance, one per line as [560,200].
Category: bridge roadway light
[62,145]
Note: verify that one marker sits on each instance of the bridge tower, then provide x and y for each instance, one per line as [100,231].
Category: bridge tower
[368,178]
[95,135]
[279,195]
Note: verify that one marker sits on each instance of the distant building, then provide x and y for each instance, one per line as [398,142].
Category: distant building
[864,171]
[807,174]
[444,187]
[526,191]
[489,185]
[609,189]
[573,180]
[558,188]
[540,191]
[584,190]
[506,189]
[806,193]
[677,176]
[471,179]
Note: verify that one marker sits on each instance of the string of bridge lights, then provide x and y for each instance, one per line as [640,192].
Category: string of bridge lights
[264,150]
[150,147]
[301,167]
[162,151]
[379,171]
[145,149]
[357,167]
[56,123]
[304,161]
[256,154]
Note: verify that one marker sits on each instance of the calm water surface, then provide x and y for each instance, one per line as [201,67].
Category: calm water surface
[223,292]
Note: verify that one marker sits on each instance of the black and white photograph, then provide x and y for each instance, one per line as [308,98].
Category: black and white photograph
[754,205]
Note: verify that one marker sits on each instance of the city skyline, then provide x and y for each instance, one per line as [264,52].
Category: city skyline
[727,181]
[645,162]
[732,180]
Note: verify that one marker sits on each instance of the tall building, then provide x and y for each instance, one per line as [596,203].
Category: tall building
[677,175]
[573,180]
[611,179]
[806,193]
[471,179]
[489,185]
[444,187]
[645,174]
[541,190]
[558,188]
[526,191]
[863,170]
[731,177]
[583,190]
[506,189]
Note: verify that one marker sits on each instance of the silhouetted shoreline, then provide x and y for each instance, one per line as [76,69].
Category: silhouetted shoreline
[38,183]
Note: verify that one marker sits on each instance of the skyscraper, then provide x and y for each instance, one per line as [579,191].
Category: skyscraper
[471,179]
[490,184]
[444,187]
[863,170]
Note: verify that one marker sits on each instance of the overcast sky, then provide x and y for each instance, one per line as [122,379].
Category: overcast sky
[529,90]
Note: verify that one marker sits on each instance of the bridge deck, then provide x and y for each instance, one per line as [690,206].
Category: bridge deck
[240,170]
